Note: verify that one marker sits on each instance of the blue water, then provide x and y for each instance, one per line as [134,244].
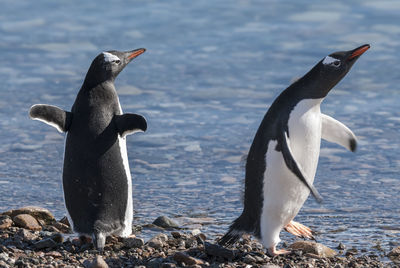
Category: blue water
[210,72]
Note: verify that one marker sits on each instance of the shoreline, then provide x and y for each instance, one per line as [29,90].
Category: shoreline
[32,237]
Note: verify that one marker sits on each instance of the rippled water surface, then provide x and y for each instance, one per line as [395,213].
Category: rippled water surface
[211,70]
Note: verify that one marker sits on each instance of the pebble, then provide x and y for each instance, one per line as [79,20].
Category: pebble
[27,221]
[165,222]
[98,262]
[313,249]
[133,242]
[181,257]
[219,251]
[5,222]
[45,243]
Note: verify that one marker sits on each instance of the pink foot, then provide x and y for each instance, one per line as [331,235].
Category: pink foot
[298,229]
[272,251]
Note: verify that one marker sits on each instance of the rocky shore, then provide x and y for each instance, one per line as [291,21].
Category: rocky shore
[32,237]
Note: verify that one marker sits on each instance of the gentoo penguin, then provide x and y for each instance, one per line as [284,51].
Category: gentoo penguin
[96,178]
[283,157]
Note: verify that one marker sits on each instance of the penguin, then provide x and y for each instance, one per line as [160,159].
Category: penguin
[97,182]
[283,157]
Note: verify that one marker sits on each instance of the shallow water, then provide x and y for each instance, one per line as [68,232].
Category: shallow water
[209,74]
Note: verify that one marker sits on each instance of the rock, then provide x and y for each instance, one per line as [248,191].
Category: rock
[37,212]
[5,222]
[58,238]
[26,235]
[249,259]
[168,265]
[394,254]
[132,242]
[181,257]
[352,251]
[341,246]
[313,249]
[27,221]
[219,251]
[176,234]
[165,222]
[64,228]
[196,232]
[54,254]
[270,266]
[45,243]
[98,262]
[157,241]
[64,220]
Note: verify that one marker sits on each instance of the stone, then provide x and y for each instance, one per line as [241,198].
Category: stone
[133,242]
[45,243]
[5,222]
[313,249]
[26,235]
[38,213]
[394,254]
[168,265]
[181,257]
[249,259]
[27,221]
[98,262]
[341,246]
[270,266]
[58,238]
[64,228]
[176,234]
[196,232]
[155,243]
[219,251]
[165,222]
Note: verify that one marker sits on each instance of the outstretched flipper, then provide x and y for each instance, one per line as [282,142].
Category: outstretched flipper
[130,123]
[52,116]
[337,132]
[292,164]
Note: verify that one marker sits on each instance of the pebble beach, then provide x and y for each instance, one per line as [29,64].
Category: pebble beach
[32,237]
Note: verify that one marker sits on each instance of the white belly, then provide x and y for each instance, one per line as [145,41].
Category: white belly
[284,193]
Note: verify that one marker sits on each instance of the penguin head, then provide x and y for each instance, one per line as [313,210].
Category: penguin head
[331,69]
[107,65]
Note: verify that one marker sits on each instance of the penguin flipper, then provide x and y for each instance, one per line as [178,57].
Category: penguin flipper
[52,116]
[337,132]
[292,164]
[130,123]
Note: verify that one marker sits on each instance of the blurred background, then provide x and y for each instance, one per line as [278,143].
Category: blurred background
[210,72]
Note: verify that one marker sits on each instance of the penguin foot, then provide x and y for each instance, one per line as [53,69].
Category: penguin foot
[298,229]
[272,251]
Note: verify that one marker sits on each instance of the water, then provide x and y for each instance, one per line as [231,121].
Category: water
[209,74]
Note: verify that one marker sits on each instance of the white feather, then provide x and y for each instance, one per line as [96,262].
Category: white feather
[108,57]
[328,60]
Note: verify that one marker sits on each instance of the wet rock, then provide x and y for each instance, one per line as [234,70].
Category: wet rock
[313,249]
[64,220]
[341,246]
[168,265]
[5,222]
[218,251]
[27,221]
[45,243]
[181,257]
[165,222]
[352,251]
[196,232]
[133,242]
[37,212]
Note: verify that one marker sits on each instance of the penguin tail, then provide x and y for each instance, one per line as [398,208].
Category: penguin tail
[234,233]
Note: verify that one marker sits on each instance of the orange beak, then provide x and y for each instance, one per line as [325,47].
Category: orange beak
[136,53]
[359,51]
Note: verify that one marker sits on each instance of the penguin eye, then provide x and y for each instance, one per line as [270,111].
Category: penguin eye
[336,63]
[117,61]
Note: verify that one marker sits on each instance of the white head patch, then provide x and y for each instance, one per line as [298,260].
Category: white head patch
[328,60]
[108,57]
